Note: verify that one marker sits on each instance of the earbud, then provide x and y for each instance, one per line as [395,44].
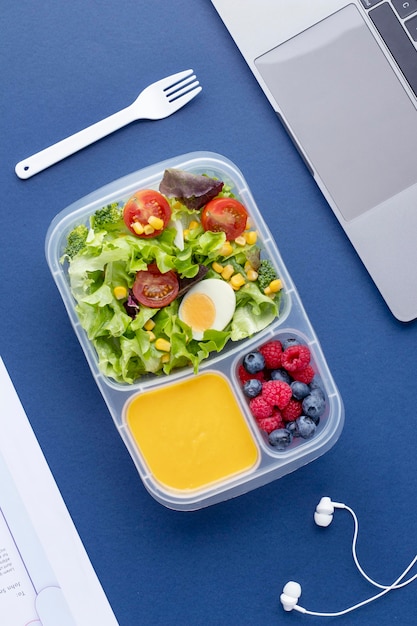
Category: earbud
[323,515]
[290,595]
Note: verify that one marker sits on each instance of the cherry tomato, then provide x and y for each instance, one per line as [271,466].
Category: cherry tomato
[154,289]
[145,204]
[225,214]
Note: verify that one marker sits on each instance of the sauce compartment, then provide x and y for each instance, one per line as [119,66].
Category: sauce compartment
[192,435]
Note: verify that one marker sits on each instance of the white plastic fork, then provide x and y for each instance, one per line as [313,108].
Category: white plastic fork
[157,101]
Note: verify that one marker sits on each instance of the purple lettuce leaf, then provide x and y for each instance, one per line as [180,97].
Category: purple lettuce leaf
[193,190]
[131,305]
[187,283]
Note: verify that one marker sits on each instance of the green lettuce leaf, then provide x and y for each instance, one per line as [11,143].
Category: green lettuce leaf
[254,312]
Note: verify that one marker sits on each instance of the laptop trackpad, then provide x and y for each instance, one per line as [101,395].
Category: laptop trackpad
[354,120]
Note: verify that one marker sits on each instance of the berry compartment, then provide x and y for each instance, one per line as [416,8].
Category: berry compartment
[281,385]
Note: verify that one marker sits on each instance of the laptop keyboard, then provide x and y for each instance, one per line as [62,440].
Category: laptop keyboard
[396,22]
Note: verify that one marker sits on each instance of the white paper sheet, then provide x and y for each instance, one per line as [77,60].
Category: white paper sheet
[46,577]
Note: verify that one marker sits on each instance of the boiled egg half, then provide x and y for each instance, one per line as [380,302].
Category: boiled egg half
[210,304]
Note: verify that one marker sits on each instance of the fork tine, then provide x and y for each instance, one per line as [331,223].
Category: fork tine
[180,89]
[170,81]
[181,101]
[179,84]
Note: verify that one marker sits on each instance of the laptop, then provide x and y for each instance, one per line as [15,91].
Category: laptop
[342,78]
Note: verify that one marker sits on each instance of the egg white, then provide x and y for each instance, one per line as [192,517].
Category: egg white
[221,295]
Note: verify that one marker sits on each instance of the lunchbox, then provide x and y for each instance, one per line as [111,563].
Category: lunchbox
[192,435]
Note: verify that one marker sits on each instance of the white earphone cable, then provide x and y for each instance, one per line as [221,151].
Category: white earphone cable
[358,565]
[323,517]
[394,585]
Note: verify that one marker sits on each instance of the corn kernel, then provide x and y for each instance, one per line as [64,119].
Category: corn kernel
[120,292]
[251,275]
[193,224]
[186,233]
[275,285]
[237,281]
[165,358]
[151,335]
[156,222]
[248,224]
[148,229]
[137,227]
[248,266]
[149,325]
[226,249]
[162,344]
[227,271]
[268,291]
[217,267]
[251,237]
[241,241]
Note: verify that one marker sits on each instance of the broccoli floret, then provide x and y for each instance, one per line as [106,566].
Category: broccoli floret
[266,273]
[76,240]
[107,218]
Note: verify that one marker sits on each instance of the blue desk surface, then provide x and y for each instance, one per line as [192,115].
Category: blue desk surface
[64,66]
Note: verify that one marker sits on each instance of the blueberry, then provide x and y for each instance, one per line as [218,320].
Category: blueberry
[299,390]
[290,341]
[281,374]
[253,362]
[280,438]
[252,388]
[306,426]
[316,420]
[293,428]
[314,404]
[315,386]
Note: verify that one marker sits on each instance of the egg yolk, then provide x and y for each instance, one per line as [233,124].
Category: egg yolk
[198,311]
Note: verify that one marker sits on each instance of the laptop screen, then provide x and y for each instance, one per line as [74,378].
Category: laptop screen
[360,141]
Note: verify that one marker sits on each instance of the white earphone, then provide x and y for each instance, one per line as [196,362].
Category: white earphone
[323,516]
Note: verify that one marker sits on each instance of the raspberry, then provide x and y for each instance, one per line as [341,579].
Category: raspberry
[295,358]
[272,352]
[260,408]
[292,410]
[268,424]
[276,393]
[244,375]
[305,375]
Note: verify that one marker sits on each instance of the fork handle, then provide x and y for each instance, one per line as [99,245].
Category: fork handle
[64,148]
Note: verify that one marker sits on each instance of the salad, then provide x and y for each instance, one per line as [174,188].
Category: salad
[169,277]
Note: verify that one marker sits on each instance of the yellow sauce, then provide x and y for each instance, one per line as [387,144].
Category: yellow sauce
[192,433]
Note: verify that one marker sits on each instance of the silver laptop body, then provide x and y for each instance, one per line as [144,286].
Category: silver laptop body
[342,77]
